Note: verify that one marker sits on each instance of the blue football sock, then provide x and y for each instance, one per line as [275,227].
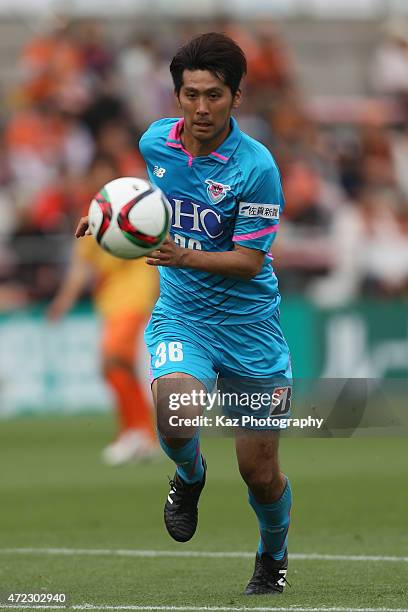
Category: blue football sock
[274,522]
[187,458]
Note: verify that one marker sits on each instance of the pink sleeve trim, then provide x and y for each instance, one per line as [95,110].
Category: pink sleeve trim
[258,234]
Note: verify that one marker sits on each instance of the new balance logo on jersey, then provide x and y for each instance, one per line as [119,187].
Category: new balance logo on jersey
[159,172]
[216,191]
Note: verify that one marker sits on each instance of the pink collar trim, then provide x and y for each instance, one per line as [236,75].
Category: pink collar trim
[221,157]
[175,132]
[174,141]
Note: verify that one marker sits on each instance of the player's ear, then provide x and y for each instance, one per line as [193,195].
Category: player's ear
[237,99]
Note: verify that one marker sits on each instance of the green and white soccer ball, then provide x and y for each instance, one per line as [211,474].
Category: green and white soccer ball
[129,217]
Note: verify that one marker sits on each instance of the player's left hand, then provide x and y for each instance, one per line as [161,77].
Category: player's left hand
[169,255]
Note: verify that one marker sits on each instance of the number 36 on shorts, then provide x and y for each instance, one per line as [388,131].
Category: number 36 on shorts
[172,351]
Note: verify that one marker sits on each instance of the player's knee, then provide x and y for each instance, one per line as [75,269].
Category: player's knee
[263,481]
[174,434]
[173,442]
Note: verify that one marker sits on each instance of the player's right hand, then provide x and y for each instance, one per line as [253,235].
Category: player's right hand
[83,228]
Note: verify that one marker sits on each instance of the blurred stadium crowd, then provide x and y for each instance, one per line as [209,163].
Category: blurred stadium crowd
[79,105]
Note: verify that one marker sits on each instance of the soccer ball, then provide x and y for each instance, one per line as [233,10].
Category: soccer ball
[129,217]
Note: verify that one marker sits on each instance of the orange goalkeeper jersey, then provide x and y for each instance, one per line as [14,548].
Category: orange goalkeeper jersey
[121,285]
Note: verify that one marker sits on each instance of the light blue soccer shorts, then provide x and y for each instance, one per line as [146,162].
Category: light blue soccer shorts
[244,361]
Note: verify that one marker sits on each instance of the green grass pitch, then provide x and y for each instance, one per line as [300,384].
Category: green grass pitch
[350,498]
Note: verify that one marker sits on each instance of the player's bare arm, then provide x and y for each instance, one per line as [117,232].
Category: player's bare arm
[70,289]
[240,263]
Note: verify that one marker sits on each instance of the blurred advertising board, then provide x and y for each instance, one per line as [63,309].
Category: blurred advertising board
[47,367]
[368,339]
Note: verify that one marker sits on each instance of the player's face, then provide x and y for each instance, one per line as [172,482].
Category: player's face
[206,103]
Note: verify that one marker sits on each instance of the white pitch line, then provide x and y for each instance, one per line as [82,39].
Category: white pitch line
[106,552]
[237,609]
[200,608]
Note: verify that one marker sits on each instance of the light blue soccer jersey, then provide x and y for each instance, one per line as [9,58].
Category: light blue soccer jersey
[233,195]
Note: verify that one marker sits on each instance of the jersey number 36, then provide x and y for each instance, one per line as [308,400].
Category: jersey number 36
[171,352]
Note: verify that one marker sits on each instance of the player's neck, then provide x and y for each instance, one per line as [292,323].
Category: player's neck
[196,148]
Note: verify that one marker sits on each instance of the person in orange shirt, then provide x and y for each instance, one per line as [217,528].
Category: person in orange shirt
[124,292]
[52,62]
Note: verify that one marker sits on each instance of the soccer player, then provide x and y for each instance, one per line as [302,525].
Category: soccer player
[218,311]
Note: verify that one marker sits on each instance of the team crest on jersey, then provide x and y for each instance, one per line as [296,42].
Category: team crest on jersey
[216,191]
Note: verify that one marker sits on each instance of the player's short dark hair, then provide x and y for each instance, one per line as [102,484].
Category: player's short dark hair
[214,52]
